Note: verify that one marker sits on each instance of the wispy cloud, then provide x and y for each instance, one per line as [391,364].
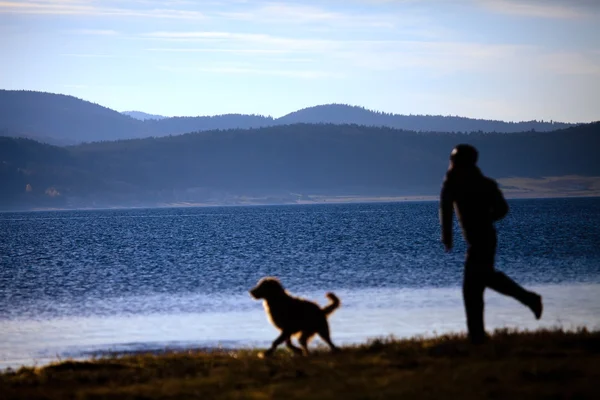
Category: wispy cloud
[99,32]
[57,7]
[561,9]
[270,53]
[215,50]
[431,56]
[366,54]
[450,57]
[234,70]
[87,55]
[325,16]
[569,63]
[435,57]
[205,35]
[290,13]
[261,42]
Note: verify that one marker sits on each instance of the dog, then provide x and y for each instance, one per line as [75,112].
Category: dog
[294,316]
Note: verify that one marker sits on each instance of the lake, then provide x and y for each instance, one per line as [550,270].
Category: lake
[78,283]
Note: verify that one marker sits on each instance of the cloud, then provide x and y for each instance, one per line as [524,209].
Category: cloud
[205,35]
[373,54]
[289,13]
[235,70]
[427,56]
[99,32]
[87,55]
[569,63]
[262,42]
[271,12]
[57,7]
[215,50]
[431,56]
[442,58]
[270,53]
[336,18]
[560,9]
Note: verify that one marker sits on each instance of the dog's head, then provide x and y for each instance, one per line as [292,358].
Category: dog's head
[266,288]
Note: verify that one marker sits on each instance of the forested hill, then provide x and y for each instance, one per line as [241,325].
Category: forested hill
[280,163]
[142,116]
[60,119]
[345,114]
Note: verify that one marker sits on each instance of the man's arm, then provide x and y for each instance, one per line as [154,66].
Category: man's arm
[446,214]
[499,204]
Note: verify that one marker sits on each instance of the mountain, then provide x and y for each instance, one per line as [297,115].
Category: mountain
[61,119]
[179,125]
[142,116]
[345,114]
[277,164]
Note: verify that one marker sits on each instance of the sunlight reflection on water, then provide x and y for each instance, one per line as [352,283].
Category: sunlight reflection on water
[364,314]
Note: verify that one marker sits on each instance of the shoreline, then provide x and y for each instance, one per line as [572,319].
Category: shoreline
[39,339]
[517,364]
[320,201]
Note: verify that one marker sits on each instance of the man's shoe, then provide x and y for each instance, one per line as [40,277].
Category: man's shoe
[536,306]
[479,339]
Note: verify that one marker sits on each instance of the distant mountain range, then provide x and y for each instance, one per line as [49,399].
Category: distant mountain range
[278,164]
[142,116]
[63,120]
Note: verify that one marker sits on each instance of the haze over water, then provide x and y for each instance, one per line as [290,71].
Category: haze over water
[73,283]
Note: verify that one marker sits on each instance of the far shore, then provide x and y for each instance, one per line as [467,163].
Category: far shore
[569,186]
[313,200]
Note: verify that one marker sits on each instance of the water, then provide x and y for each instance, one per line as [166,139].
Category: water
[74,283]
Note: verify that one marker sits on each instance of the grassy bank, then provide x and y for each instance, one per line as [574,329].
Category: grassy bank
[541,364]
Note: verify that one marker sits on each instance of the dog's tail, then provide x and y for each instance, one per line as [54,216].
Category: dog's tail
[334,303]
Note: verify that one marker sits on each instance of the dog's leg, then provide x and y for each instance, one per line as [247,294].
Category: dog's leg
[280,339]
[304,341]
[324,333]
[291,346]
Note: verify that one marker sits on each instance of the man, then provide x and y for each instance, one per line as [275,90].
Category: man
[478,203]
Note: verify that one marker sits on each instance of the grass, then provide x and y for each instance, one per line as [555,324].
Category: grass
[548,364]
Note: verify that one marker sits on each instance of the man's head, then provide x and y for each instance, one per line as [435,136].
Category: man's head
[464,155]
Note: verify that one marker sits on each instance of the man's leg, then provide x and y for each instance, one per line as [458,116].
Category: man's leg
[473,288]
[481,259]
[501,283]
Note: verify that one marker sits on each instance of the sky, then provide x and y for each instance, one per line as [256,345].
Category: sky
[511,60]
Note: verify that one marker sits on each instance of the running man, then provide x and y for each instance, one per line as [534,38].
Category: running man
[478,203]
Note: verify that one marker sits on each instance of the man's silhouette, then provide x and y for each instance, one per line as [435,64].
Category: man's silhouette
[478,203]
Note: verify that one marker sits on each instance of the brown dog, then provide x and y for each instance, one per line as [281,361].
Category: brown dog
[294,316]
